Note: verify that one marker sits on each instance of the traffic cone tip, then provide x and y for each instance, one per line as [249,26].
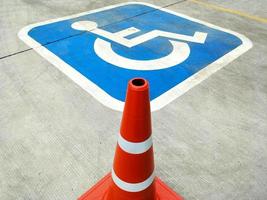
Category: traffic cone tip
[138,84]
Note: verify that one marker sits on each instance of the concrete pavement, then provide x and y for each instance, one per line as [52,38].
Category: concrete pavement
[56,140]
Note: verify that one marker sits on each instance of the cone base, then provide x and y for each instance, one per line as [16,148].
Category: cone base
[164,192]
[99,191]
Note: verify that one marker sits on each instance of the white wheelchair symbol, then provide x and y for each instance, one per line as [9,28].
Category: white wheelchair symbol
[103,49]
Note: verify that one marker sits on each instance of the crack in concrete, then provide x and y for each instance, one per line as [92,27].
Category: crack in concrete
[61,39]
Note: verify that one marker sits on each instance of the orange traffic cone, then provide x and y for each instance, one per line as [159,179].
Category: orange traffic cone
[132,176]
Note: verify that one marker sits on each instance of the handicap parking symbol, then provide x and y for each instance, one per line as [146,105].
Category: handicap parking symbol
[102,50]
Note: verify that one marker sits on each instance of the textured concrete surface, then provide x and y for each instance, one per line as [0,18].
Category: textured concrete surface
[56,141]
[246,6]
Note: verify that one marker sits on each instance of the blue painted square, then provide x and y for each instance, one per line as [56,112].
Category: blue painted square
[76,47]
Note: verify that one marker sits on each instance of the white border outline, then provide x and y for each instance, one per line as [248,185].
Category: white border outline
[161,100]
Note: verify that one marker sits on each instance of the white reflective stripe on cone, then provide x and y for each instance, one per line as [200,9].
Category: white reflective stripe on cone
[135,147]
[132,187]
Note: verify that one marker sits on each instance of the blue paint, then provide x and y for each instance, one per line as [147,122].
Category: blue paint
[76,47]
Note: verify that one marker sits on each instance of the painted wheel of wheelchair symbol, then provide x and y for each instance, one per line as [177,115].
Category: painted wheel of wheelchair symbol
[180,50]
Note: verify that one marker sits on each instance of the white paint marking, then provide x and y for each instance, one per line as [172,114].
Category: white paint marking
[180,53]
[160,101]
[132,187]
[199,37]
[127,32]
